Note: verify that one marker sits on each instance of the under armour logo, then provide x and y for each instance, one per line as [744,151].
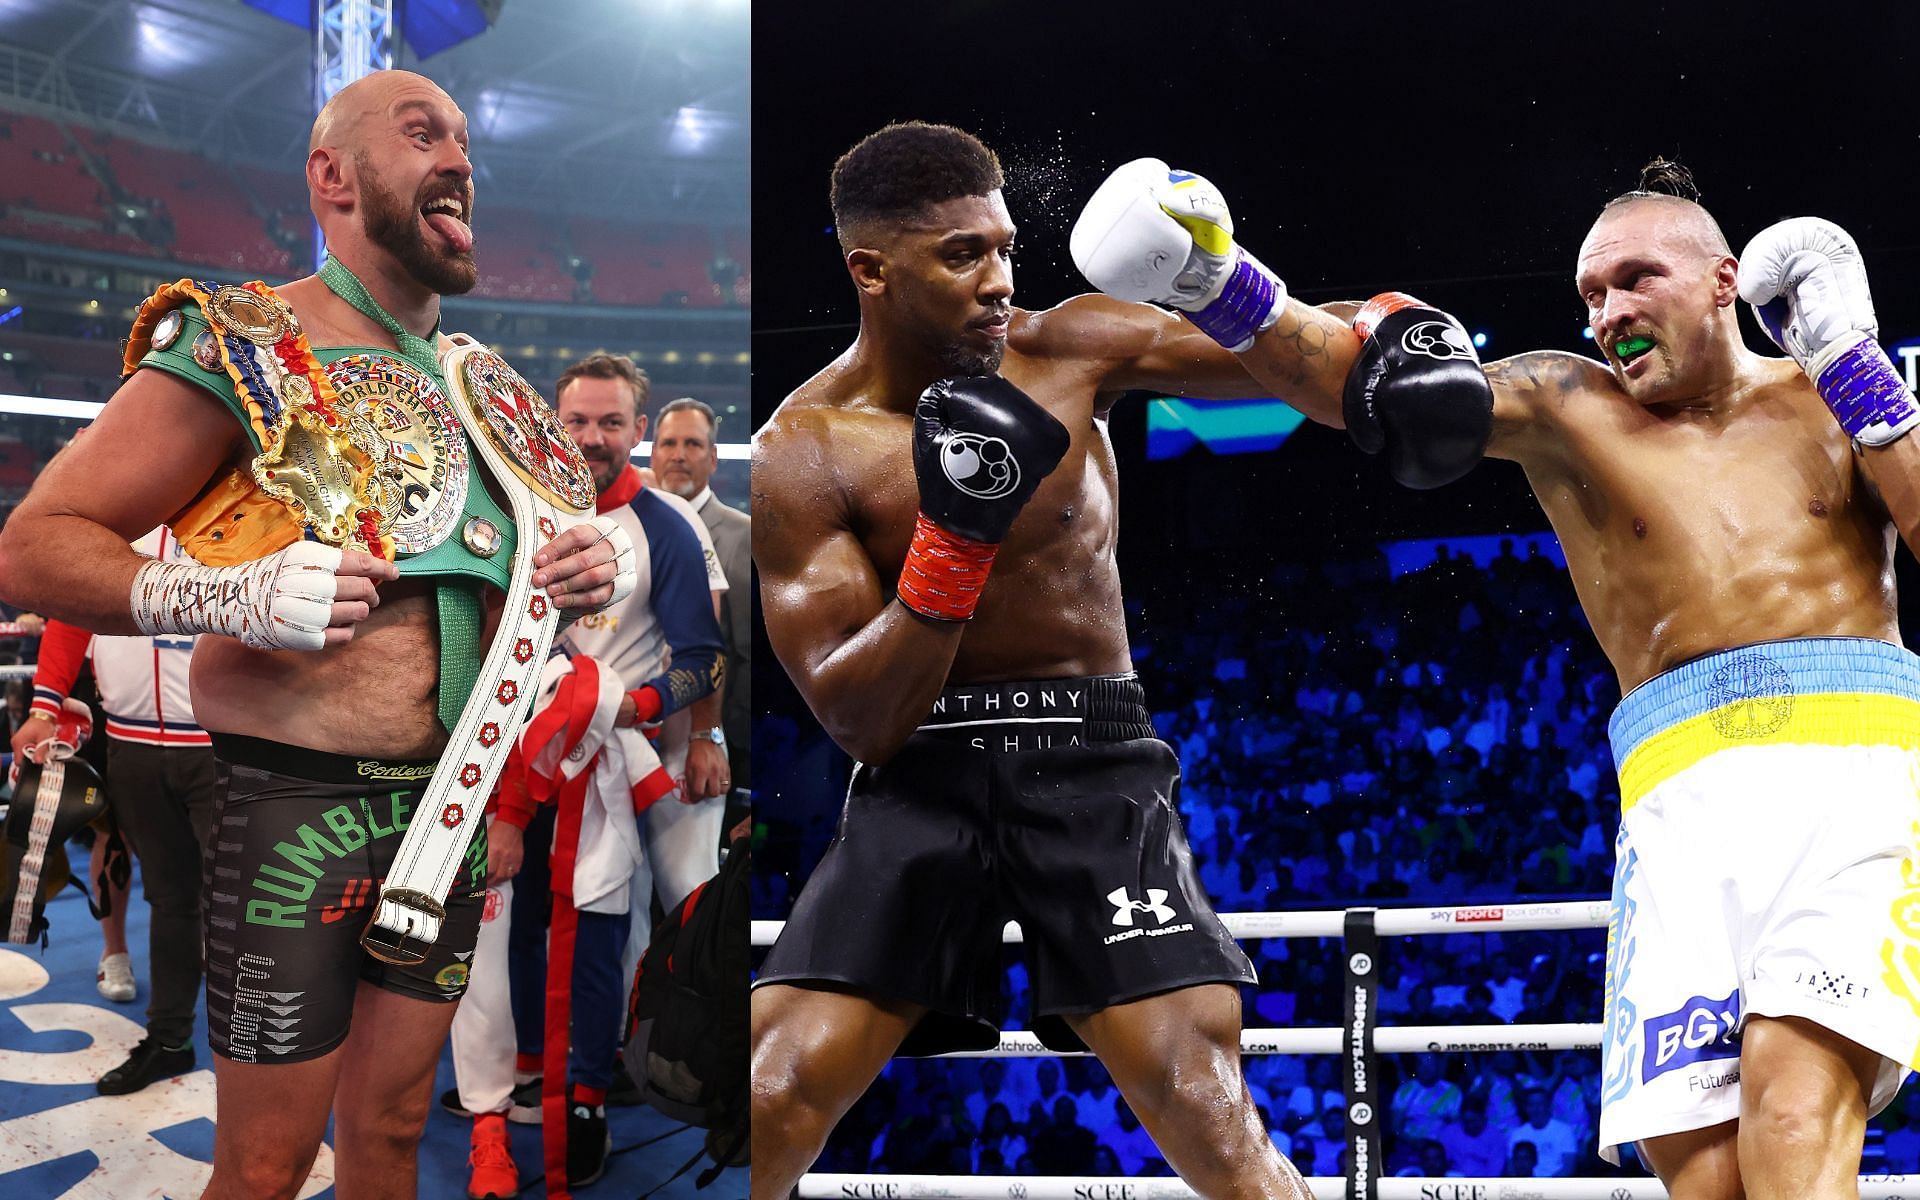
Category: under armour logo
[1124,906]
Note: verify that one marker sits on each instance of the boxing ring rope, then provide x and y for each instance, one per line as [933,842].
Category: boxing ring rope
[1325,1187]
[1387,922]
[1358,1038]
[1331,1039]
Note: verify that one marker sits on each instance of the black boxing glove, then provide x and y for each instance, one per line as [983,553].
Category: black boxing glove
[1417,392]
[981,446]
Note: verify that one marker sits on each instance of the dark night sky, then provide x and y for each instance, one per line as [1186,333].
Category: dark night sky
[1456,150]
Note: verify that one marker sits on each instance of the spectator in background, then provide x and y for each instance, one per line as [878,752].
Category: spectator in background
[992,1090]
[686,454]
[997,1136]
[1097,1103]
[1422,1106]
[1061,1146]
[1523,1160]
[1475,1149]
[1554,1143]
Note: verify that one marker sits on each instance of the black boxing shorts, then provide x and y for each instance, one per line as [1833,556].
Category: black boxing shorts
[301,841]
[1048,802]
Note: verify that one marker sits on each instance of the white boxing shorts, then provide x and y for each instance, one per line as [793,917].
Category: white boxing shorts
[1766,866]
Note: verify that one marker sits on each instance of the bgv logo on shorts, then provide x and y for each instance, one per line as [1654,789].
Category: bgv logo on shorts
[1700,1030]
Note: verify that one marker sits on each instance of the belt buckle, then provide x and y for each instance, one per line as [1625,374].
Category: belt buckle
[422,913]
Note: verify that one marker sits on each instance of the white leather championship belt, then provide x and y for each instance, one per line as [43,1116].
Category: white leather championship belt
[548,488]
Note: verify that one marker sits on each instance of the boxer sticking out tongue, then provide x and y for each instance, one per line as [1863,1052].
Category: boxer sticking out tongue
[446,214]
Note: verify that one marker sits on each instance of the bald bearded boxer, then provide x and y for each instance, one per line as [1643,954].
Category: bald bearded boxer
[933,524]
[1735,566]
[326,691]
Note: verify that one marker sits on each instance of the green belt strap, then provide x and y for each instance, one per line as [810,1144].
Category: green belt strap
[460,623]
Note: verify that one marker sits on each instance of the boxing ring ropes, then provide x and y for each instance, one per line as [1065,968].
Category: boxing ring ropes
[1360,1041]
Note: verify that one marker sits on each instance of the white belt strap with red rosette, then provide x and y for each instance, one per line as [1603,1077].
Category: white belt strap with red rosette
[548,488]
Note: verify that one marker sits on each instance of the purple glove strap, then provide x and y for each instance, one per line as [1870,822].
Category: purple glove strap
[1241,309]
[1863,388]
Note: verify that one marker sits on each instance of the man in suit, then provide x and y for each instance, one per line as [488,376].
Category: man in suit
[685,457]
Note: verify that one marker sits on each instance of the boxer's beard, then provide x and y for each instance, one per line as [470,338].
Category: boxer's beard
[957,359]
[395,228]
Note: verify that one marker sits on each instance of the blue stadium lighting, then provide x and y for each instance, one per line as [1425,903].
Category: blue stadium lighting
[10,314]
[1587,332]
[1479,340]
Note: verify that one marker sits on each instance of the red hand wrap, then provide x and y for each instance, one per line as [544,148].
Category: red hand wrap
[1373,311]
[944,572]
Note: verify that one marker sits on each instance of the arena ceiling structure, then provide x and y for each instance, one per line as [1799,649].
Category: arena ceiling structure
[648,99]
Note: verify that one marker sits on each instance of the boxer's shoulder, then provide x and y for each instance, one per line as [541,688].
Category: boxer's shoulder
[1783,377]
[1549,375]
[1542,397]
[1090,327]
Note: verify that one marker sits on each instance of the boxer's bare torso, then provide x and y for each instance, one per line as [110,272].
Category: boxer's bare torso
[1689,530]
[834,503]
[1051,608]
[377,695]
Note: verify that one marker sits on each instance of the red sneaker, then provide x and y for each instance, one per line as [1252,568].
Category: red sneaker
[494,1175]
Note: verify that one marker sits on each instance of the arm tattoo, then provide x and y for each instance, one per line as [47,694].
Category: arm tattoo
[1307,343]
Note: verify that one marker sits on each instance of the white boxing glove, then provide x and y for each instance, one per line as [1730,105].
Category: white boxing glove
[281,602]
[1807,284]
[1153,233]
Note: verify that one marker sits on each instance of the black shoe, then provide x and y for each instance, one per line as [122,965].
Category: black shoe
[148,1062]
[624,1093]
[450,1100]
[524,1103]
[587,1143]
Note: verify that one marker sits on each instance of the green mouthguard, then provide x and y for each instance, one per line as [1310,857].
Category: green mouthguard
[1629,347]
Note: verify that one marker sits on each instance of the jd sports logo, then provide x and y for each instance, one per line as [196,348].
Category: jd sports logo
[1437,339]
[980,465]
[1124,906]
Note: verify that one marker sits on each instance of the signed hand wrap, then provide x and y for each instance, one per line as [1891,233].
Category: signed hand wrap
[281,602]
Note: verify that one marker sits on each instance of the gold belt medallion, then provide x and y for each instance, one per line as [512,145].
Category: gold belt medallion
[312,474]
[406,426]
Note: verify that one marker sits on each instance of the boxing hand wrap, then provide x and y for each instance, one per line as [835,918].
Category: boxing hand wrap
[625,578]
[1417,392]
[944,572]
[1807,284]
[981,446]
[281,602]
[1153,233]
